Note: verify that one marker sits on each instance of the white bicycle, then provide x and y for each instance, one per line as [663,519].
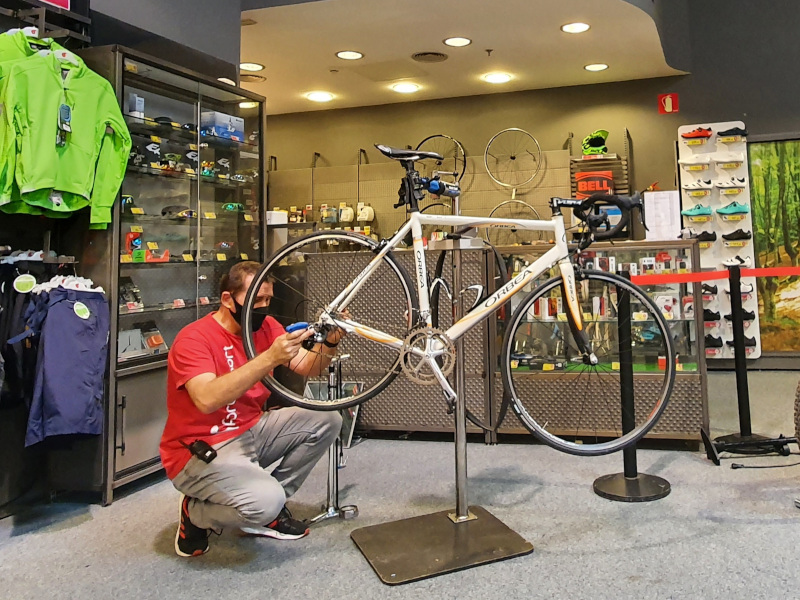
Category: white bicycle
[564,384]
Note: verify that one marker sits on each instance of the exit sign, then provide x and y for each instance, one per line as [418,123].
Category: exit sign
[59,3]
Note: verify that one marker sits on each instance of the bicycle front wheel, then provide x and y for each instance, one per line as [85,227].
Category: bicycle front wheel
[306,276]
[575,407]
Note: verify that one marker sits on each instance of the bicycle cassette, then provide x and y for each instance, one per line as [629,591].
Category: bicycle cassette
[424,348]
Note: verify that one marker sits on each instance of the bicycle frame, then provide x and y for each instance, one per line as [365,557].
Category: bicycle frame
[558,254]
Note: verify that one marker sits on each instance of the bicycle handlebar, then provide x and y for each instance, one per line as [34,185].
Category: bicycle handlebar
[582,208]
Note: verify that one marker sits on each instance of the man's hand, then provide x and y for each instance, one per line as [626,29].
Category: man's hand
[286,347]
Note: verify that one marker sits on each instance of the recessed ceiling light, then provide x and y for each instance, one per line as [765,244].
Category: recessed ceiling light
[349,55]
[405,87]
[458,42]
[251,67]
[226,80]
[575,27]
[248,104]
[596,67]
[497,77]
[320,96]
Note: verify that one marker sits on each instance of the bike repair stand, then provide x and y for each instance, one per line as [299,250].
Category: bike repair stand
[443,542]
[332,509]
[629,486]
[744,442]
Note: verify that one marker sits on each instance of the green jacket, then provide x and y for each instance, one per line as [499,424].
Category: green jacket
[89,169]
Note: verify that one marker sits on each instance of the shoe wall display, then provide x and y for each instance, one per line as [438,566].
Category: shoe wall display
[716,211]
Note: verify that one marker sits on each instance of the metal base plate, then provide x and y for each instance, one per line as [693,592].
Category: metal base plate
[430,545]
[738,438]
[642,488]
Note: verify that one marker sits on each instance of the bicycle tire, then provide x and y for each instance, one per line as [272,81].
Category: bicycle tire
[300,272]
[590,425]
[512,209]
[506,148]
[452,152]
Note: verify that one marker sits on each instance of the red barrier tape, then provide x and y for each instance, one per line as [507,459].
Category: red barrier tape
[712,275]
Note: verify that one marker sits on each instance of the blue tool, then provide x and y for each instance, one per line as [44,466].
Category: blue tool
[296,327]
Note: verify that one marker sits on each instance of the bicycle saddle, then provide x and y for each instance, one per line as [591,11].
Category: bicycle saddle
[401,154]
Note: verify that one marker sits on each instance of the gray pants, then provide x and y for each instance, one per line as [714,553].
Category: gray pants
[235,490]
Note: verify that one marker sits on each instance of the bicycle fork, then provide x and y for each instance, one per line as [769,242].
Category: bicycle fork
[574,315]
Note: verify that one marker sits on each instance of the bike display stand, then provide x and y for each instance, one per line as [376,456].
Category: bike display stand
[744,442]
[443,542]
[630,485]
[332,510]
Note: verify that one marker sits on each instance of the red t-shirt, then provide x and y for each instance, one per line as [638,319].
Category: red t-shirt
[205,346]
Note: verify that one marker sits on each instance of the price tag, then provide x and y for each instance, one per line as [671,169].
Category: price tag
[137,211]
[548,366]
[734,217]
[684,271]
[710,324]
[696,167]
[222,257]
[193,147]
[244,256]
[132,306]
[678,366]
[562,316]
[179,303]
[210,215]
[731,191]
[204,300]
[704,245]
[248,218]
[188,258]
[730,139]
[736,244]
[131,67]
[152,245]
[136,229]
[155,165]
[730,165]
[588,316]
[155,139]
[708,297]
[190,171]
[697,142]
[698,193]
[126,258]
[713,352]
[615,366]
[704,219]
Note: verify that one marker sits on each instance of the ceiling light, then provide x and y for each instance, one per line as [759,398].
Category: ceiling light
[575,27]
[405,87]
[251,67]
[248,105]
[497,77]
[458,42]
[349,55]
[320,96]
[596,67]
[226,80]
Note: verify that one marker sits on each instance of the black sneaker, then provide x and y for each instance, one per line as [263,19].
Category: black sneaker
[739,234]
[190,540]
[710,315]
[732,131]
[747,315]
[707,236]
[709,289]
[748,342]
[283,528]
[713,341]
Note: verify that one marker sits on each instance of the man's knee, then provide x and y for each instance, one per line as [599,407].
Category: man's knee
[263,504]
[329,425]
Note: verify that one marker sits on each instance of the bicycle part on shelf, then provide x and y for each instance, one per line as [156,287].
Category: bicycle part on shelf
[307,275]
[512,209]
[453,163]
[513,158]
[437,348]
[572,406]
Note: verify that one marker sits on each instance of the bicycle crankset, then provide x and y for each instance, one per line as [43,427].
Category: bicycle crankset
[424,348]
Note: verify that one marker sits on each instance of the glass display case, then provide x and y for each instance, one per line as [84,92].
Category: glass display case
[191,205]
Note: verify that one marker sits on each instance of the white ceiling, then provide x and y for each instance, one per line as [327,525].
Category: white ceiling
[298,45]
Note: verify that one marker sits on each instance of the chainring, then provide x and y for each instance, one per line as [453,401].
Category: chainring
[418,369]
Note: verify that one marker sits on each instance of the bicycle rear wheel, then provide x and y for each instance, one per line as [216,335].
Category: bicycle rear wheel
[575,407]
[306,276]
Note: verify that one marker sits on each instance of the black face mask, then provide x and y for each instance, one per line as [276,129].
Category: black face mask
[258,317]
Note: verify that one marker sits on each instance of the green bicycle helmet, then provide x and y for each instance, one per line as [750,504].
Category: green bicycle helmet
[595,143]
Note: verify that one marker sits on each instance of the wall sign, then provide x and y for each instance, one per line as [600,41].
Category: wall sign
[59,3]
[668,104]
[593,182]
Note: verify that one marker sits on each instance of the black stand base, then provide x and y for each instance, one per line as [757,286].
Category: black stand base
[430,545]
[745,444]
[642,488]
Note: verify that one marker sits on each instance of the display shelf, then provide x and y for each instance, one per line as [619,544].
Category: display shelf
[125,311]
[206,179]
[147,127]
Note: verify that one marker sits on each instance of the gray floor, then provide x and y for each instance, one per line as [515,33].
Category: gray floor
[722,533]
